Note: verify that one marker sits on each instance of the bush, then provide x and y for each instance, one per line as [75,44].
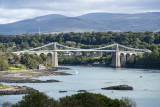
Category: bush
[21,66]
[77,100]
[89,100]
[3,62]
[36,99]
[7,104]
[128,102]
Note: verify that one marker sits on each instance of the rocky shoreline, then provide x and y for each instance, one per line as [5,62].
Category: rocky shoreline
[26,80]
[26,76]
[15,90]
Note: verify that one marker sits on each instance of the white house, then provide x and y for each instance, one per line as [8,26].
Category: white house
[41,66]
[68,53]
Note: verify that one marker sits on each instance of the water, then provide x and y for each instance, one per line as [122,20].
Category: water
[146,91]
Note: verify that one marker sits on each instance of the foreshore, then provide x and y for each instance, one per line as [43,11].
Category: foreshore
[14,90]
[26,76]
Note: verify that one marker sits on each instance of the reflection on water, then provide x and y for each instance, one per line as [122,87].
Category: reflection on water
[146,86]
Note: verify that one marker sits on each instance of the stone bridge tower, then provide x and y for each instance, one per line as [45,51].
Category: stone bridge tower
[116,57]
[54,58]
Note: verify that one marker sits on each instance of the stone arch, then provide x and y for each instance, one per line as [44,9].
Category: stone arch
[42,53]
[123,59]
[36,54]
[50,56]
[128,57]
[133,54]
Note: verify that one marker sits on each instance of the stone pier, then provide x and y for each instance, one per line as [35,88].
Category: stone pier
[54,57]
[116,57]
[119,58]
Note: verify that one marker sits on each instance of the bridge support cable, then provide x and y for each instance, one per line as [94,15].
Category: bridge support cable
[116,52]
[67,47]
[103,47]
[41,46]
[133,48]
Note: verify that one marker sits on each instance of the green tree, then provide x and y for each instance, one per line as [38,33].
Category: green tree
[36,99]
[154,47]
[90,100]
[3,62]
[16,58]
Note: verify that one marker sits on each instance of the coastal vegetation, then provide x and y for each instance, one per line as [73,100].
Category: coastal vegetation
[9,61]
[39,99]
[141,40]
[3,62]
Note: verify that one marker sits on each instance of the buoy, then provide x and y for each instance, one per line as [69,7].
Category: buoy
[76,72]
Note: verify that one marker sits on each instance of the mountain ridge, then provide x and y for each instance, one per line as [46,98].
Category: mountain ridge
[91,22]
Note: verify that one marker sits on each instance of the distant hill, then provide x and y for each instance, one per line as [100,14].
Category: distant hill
[89,22]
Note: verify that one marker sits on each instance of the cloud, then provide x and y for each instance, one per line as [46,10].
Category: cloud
[13,10]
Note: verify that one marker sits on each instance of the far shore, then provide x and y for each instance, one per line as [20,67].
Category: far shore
[103,65]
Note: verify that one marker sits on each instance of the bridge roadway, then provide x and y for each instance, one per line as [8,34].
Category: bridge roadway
[81,50]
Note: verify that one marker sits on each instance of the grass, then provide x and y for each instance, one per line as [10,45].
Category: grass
[96,57]
[14,68]
[10,86]
[2,86]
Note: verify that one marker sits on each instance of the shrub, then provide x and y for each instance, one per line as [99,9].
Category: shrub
[128,102]
[90,100]
[36,99]
[78,100]
[3,62]
[6,104]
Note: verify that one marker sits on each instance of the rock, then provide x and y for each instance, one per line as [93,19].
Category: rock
[60,68]
[81,91]
[27,81]
[21,90]
[62,91]
[120,87]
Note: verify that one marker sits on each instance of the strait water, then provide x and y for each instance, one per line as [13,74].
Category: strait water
[146,91]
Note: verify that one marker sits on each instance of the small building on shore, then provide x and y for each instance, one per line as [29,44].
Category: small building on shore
[41,66]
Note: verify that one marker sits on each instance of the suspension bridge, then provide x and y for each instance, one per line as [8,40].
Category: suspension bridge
[120,53]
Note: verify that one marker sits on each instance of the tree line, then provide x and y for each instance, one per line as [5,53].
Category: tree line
[142,40]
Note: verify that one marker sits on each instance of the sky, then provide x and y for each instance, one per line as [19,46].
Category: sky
[16,10]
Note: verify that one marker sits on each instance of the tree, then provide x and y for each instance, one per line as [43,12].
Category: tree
[90,100]
[153,47]
[128,102]
[3,62]
[7,104]
[36,99]
[16,58]
[29,61]
[39,99]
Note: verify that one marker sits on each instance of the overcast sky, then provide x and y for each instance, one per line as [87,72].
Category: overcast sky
[15,10]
